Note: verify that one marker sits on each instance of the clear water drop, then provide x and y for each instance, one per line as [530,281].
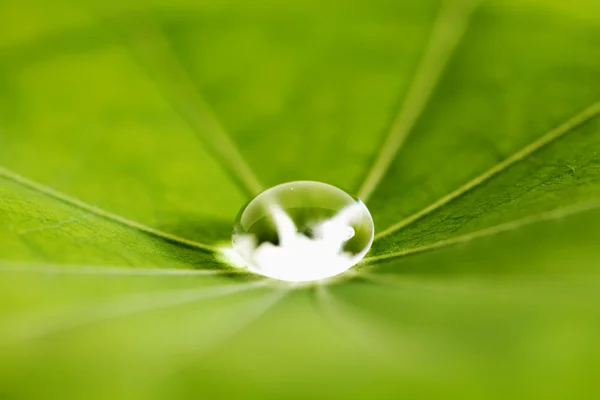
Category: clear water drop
[303,231]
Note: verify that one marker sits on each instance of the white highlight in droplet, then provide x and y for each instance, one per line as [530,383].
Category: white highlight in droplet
[303,231]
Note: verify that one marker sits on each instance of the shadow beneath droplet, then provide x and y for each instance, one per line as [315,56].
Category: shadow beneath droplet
[198,228]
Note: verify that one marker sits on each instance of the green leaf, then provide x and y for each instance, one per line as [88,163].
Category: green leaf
[131,136]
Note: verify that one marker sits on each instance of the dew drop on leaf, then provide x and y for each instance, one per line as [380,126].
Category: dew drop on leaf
[303,231]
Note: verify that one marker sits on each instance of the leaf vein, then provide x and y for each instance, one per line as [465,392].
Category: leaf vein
[64,198]
[558,132]
[448,30]
[6,266]
[152,49]
[491,231]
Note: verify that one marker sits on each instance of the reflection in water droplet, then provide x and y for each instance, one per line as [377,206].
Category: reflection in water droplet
[303,231]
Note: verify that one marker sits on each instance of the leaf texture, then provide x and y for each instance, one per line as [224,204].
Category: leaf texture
[131,134]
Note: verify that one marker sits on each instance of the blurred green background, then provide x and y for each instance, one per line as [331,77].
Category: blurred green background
[131,134]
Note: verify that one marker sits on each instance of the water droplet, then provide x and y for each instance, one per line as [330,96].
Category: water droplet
[303,231]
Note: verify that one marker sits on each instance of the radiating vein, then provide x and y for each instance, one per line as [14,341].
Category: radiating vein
[54,269]
[578,291]
[64,198]
[328,305]
[243,320]
[579,119]
[127,306]
[152,49]
[348,328]
[494,230]
[448,29]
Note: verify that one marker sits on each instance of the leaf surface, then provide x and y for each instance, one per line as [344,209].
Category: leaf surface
[131,136]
